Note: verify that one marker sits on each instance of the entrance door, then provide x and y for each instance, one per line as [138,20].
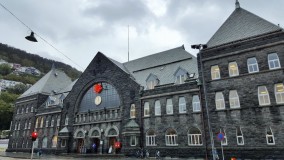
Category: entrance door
[112,141]
[80,145]
[96,142]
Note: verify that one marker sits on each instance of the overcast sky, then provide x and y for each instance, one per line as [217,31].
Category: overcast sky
[81,28]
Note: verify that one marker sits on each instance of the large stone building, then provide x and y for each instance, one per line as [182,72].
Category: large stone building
[243,78]
[158,103]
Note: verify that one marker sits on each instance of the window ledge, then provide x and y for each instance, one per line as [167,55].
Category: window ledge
[169,114]
[151,145]
[146,117]
[196,112]
[182,113]
[158,115]
[196,145]
[171,145]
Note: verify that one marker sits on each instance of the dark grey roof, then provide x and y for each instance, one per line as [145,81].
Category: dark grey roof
[54,81]
[68,88]
[241,24]
[163,65]
[131,124]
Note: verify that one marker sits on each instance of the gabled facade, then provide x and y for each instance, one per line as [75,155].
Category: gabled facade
[243,81]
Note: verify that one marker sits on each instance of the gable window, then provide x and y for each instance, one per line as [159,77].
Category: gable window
[180,75]
[219,100]
[157,108]
[133,141]
[224,141]
[152,81]
[252,65]
[240,136]
[263,96]
[215,72]
[194,137]
[146,109]
[269,137]
[196,103]
[279,93]
[182,105]
[171,137]
[132,111]
[234,99]
[169,107]
[150,138]
[273,61]
[233,69]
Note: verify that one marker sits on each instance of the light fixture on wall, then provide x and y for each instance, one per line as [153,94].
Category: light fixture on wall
[31,37]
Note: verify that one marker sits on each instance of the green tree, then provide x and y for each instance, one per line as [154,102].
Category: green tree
[17,89]
[5,69]
[6,114]
[8,97]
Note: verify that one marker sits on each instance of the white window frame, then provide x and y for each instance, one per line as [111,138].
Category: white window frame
[180,79]
[268,136]
[241,136]
[234,99]
[44,142]
[54,143]
[215,72]
[263,96]
[66,120]
[233,69]
[275,62]
[157,108]
[196,103]
[219,100]
[169,107]
[194,139]
[150,139]
[171,139]
[151,84]
[58,121]
[279,94]
[146,109]
[182,105]
[224,142]
[46,122]
[132,111]
[131,140]
[251,66]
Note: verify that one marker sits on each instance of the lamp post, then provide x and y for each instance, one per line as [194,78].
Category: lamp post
[101,141]
[34,137]
[200,47]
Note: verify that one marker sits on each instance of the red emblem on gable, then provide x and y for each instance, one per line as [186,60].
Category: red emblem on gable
[98,88]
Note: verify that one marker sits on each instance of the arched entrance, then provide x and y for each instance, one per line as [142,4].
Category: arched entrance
[79,136]
[95,136]
[112,135]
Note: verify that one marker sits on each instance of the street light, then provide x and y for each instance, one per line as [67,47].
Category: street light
[200,47]
[31,37]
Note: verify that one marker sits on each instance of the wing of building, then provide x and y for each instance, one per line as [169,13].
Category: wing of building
[243,80]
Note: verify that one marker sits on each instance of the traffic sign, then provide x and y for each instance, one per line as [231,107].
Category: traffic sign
[220,136]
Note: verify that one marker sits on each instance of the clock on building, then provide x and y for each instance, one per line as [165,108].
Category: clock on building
[98,100]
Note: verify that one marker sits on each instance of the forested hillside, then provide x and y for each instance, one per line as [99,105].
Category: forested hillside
[14,55]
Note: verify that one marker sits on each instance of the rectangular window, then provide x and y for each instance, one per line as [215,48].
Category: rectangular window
[252,65]
[182,105]
[234,99]
[151,140]
[171,140]
[132,140]
[146,109]
[169,106]
[279,93]
[196,103]
[194,139]
[132,111]
[157,108]
[263,96]
[63,142]
[233,69]
[215,72]
[219,100]
[273,61]
[240,137]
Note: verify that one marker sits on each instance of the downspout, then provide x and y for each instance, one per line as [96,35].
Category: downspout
[141,121]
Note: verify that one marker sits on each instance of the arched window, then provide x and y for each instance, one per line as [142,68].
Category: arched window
[27,109]
[30,123]
[182,105]
[58,120]
[150,138]
[146,109]
[252,65]
[171,137]
[269,137]
[47,121]
[157,108]
[54,141]
[233,69]
[234,99]
[52,121]
[263,96]
[240,136]
[215,72]
[66,119]
[279,93]
[32,108]
[196,103]
[44,142]
[169,106]
[194,137]
[132,111]
[273,61]
[219,100]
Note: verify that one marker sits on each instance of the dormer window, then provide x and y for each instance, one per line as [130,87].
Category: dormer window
[152,81]
[180,75]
